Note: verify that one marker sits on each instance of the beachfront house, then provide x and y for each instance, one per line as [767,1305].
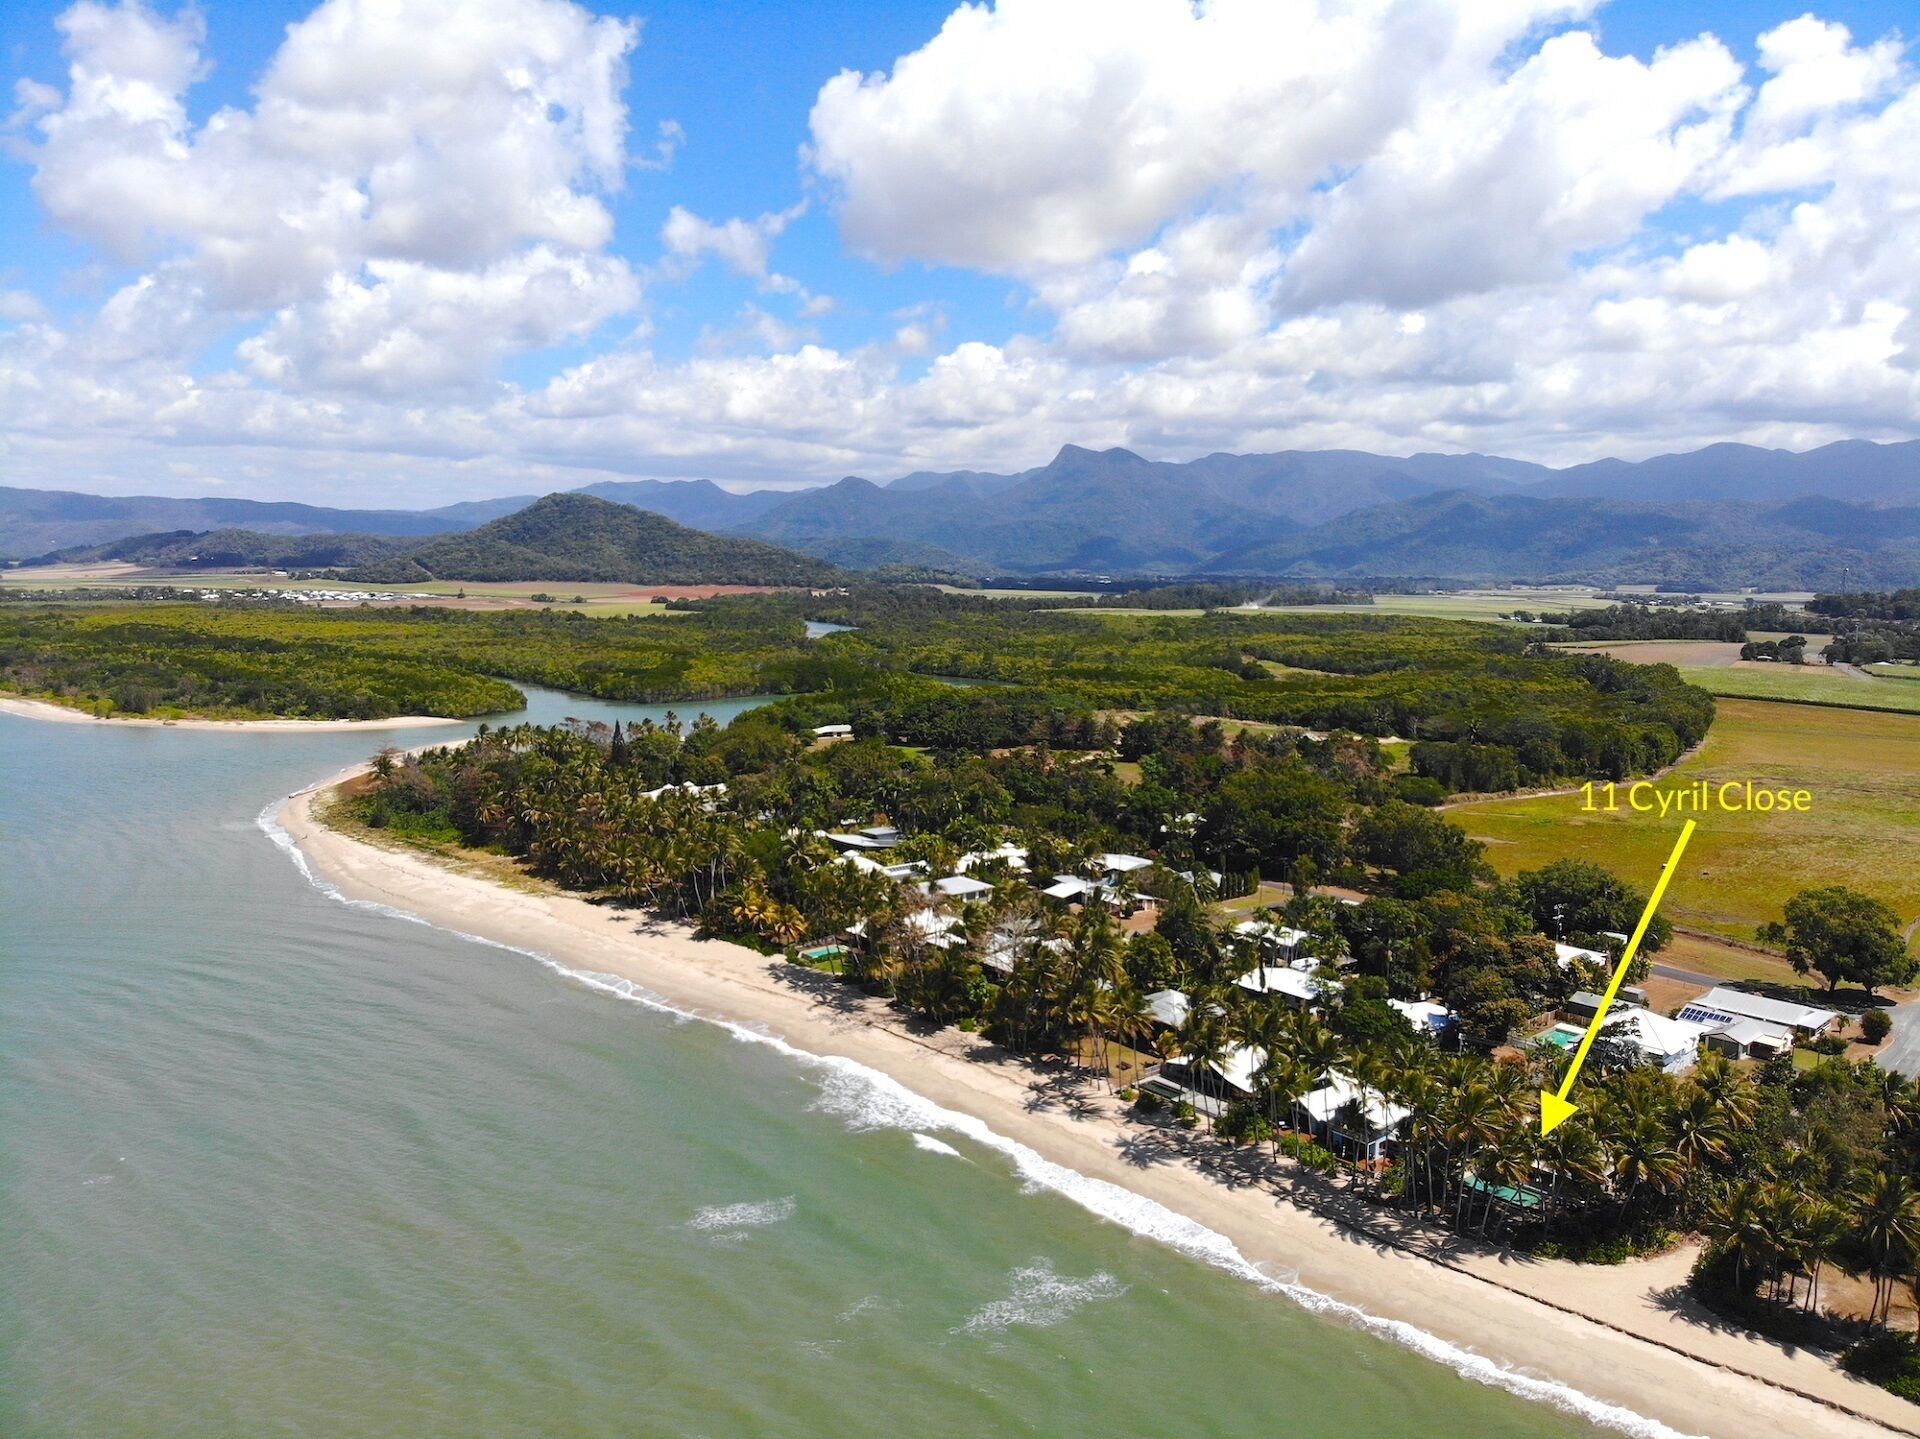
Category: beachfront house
[1168,1008]
[1722,1007]
[1350,1118]
[1217,1083]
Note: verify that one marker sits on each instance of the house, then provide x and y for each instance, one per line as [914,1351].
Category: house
[1349,1117]
[708,794]
[1169,1007]
[1291,985]
[900,873]
[1013,856]
[881,836]
[1750,1039]
[1672,1044]
[1113,866]
[959,886]
[1426,1016]
[833,732]
[934,928]
[1229,1077]
[1720,1007]
[1566,954]
[1273,939]
[1585,1003]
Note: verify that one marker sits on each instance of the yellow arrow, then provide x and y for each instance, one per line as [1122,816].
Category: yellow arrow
[1554,1108]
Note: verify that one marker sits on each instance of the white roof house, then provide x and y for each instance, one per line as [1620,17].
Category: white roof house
[1276,979]
[833,731]
[1268,935]
[1012,855]
[959,886]
[1123,863]
[1169,1007]
[1673,1044]
[1068,886]
[1746,1037]
[1324,1104]
[1566,954]
[850,841]
[1720,1007]
[698,791]
[1424,1015]
[934,927]
[1239,1065]
[903,870]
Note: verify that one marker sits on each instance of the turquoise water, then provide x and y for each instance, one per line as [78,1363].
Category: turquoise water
[275,1165]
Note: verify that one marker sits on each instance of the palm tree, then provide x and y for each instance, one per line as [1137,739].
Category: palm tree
[1888,1228]
[1733,1223]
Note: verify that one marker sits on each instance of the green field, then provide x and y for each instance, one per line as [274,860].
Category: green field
[1864,828]
[1466,605]
[1803,684]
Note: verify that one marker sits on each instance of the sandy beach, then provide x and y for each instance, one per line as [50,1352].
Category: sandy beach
[61,714]
[1626,1336]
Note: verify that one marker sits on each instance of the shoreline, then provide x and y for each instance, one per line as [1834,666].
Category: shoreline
[61,714]
[1547,1330]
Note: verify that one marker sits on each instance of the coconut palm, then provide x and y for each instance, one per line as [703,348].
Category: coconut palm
[1887,1226]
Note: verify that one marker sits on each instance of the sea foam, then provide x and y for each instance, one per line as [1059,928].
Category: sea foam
[1040,1298]
[865,1099]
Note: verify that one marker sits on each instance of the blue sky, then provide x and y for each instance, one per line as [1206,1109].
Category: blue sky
[1577,230]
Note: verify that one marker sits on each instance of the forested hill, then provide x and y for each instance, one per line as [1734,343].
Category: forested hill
[576,537]
[238,549]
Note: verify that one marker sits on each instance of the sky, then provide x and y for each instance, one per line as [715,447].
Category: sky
[406,252]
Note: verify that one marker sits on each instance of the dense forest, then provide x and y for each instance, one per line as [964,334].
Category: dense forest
[1484,708]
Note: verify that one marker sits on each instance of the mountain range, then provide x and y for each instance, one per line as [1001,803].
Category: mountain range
[1718,517]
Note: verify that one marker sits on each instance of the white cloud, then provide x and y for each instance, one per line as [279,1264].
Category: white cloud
[1038,134]
[367,156]
[1254,224]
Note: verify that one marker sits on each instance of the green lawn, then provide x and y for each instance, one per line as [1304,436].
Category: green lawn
[1864,829]
[1804,684]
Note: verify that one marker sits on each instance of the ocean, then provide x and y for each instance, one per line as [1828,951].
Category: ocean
[276,1164]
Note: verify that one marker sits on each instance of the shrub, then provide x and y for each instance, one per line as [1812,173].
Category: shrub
[1829,1044]
[1149,1103]
[1184,1114]
[1875,1025]
[1309,1154]
[1889,1360]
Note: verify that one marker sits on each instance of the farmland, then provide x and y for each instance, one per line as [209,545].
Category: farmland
[1864,828]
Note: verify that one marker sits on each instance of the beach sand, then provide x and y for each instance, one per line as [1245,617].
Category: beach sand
[61,714]
[1625,1335]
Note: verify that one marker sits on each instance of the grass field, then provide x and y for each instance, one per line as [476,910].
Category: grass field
[1864,829]
[1466,605]
[1804,684]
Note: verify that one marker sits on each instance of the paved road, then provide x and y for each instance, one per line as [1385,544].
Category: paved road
[1685,976]
[1902,1049]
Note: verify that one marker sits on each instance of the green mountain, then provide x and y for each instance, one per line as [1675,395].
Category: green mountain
[1725,544]
[577,537]
[237,549]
